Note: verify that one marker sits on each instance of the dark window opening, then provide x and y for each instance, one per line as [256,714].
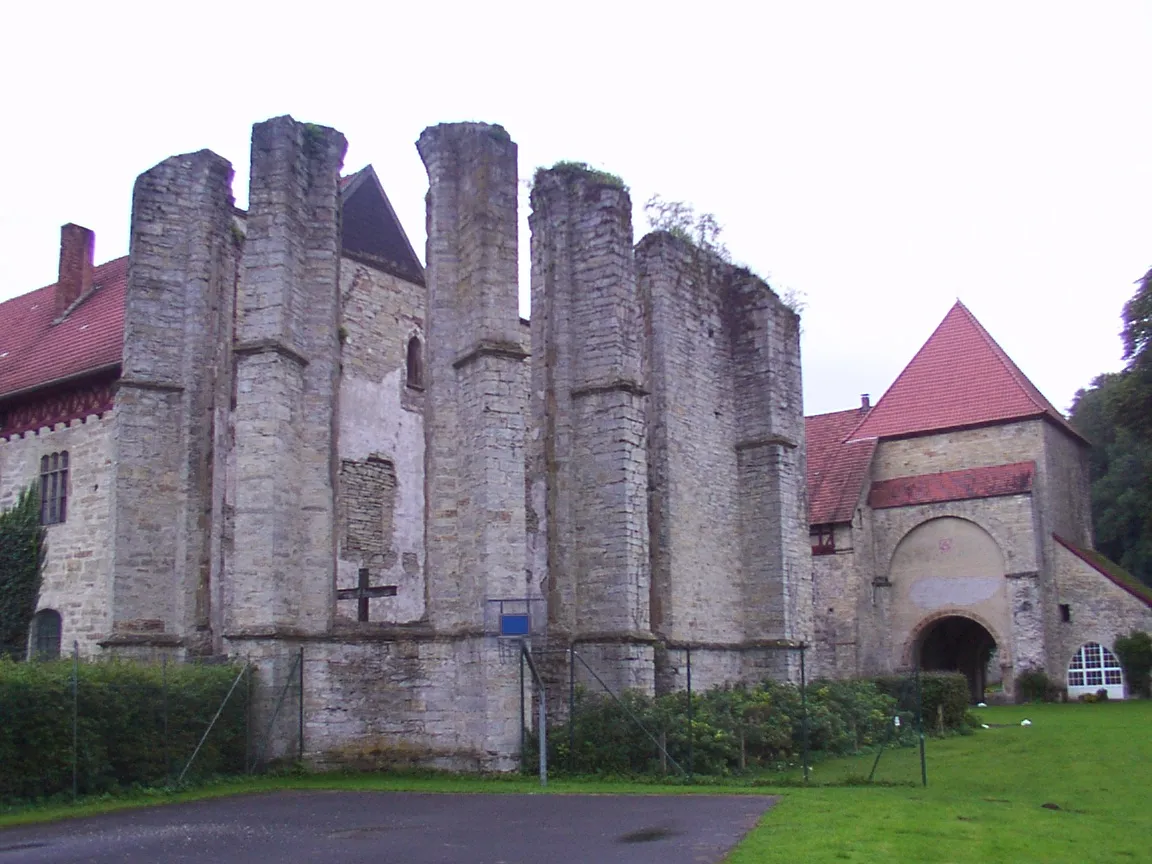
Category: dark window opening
[54,488]
[823,540]
[415,363]
[1065,613]
[46,635]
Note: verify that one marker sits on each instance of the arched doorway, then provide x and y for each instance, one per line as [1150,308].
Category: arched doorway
[957,644]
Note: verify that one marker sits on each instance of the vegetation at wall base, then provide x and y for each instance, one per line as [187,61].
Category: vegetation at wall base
[136,724]
[739,731]
[1134,652]
[1003,795]
[22,551]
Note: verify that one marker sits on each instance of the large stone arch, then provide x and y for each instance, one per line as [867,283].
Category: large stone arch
[949,567]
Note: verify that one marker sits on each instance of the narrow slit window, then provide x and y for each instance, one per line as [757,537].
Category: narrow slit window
[415,361]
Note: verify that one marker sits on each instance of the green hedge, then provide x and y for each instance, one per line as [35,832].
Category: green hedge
[735,728]
[122,736]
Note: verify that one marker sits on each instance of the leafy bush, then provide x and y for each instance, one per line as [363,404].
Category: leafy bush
[1034,685]
[732,728]
[940,691]
[1134,652]
[131,727]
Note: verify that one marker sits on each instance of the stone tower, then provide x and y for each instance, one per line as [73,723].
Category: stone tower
[589,459]
[474,420]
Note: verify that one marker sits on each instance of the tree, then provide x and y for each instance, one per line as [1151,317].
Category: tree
[22,550]
[1115,415]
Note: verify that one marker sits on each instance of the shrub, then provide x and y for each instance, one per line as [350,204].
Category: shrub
[22,553]
[732,728]
[943,693]
[1134,652]
[133,727]
[1033,685]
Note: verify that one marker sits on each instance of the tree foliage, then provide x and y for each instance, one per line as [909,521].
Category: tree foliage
[1134,652]
[1115,415]
[22,549]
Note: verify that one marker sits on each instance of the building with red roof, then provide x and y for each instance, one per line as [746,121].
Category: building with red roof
[950,527]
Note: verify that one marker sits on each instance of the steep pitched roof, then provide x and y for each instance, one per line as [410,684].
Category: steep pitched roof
[836,470]
[34,351]
[959,378]
[371,231]
[989,482]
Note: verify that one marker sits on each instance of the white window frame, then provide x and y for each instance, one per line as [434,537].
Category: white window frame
[1094,668]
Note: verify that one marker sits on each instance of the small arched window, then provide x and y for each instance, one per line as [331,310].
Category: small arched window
[46,635]
[1095,668]
[415,362]
[53,488]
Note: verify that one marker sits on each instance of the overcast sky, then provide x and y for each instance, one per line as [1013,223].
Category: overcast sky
[882,159]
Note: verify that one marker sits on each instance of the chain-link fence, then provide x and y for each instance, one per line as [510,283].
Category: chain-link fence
[71,727]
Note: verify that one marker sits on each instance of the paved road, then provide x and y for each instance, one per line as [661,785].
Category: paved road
[401,828]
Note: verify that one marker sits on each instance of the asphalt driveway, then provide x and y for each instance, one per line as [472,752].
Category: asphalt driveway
[401,827]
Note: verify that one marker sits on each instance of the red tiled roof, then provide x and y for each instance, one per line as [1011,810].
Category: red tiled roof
[1014,479]
[34,351]
[959,378]
[836,471]
[1110,570]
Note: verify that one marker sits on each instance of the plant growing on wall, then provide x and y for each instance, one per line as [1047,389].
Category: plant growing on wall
[22,549]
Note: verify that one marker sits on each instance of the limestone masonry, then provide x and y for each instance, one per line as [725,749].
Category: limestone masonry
[274,435]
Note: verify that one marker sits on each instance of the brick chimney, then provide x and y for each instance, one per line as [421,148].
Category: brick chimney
[76,246]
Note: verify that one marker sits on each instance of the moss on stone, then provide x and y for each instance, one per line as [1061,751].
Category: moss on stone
[583,169]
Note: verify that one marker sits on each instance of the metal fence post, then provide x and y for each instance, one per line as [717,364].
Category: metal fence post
[75,719]
[572,709]
[164,697]
[688,655]
[804,709]
[920,726]
[300,721]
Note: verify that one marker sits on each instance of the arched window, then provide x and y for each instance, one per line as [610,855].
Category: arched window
[1094,668]
[53,488]
[415,363]
[46,635]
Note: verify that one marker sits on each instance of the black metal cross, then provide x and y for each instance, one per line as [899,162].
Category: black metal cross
[363,592]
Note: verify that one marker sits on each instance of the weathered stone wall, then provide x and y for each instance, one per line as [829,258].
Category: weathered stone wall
[728,508]
[177,329]
[960,449]
[838,581]
[474,420]
[588,456]
[381,417]
[283,565]
[1100,610]
[78,568]
[1012,612]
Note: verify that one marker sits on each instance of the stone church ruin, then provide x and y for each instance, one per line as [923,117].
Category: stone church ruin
[274,430]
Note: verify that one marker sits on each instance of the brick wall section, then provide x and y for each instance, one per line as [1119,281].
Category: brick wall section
[380,416]
[589,405]
[181,276]
[78,569]
[836,594]
[287,367]
[474,421]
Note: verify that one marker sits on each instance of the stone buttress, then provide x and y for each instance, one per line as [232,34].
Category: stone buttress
[474,420]
[731,577]
[170,400]
[589,460]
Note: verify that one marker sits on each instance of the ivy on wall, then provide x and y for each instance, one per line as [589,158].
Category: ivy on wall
[22,549]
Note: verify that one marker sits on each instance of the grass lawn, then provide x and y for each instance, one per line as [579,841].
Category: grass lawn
[984,802]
